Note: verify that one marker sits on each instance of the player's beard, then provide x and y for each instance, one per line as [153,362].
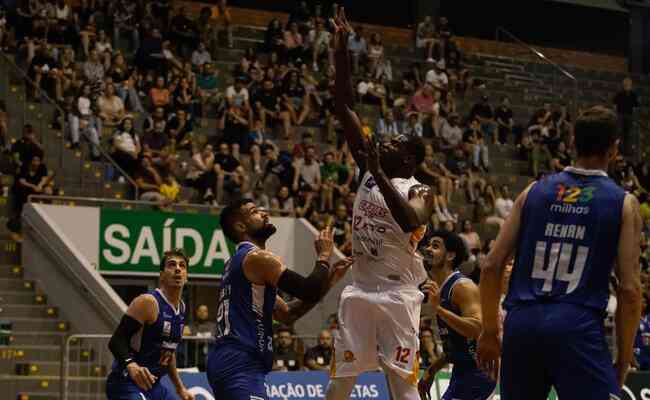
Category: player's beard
[264,232]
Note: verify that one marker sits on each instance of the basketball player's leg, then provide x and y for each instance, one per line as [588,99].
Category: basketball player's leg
[355,345]
[119,387]
[469,384]
[524,372]
[582,349]
[235,375]
[399,313]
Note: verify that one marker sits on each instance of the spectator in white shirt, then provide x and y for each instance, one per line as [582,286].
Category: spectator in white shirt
[237,95]
[504,202]
[451,133]
[413,125]
[201,55]
[438,78]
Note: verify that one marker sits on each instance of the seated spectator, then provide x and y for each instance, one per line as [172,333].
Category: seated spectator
[170,189]
[307,178]
[256,145]
[504,120]
[110,106]
[483,111]
[332,173]
[458,74]
[280,169]
[451,134]
[282,203]
[202,175]
[208,83]
[300,16]
[149,181]
[437,77]
[237,95]
[93,69]
[294,43]
[26,148]
[156,140]
[295,98]
[426,37]
[43,70]
[387,126]
[319,41]
[540,156]
[485,210]
[202,327]
[424,102]
[504,202]
[413,125]
[342,229]
[471,238]
[358,48]
[285,357]
[201,56]
[180,130]
[378,92]
[124,22]
[158,116]
[183,96]
[124,78]
[183,32]
[375,52]
[318,357]
[160,95]
[274,37]
[475,145]
[428,348]
[126,146]
[267,107]
[228,170]
[236,128]
[32,178]
[258,197]
[103,47]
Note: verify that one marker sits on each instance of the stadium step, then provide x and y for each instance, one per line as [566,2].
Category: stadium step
[29,353]
[11,271]
[36,338]
[21,297]
[50,384]
[53,368]
[9,311]
[17,285]
[21,324]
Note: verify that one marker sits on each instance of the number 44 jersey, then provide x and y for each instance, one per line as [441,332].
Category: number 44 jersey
[568,240]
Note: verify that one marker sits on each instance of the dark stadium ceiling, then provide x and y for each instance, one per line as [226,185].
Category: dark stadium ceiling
[613,5]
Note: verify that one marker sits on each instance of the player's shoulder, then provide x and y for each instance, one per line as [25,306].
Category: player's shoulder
[261,257]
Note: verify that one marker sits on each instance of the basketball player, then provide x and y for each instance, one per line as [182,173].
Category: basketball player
[144,343]
[456,303]
[387,227]
[567,231]
[248,301]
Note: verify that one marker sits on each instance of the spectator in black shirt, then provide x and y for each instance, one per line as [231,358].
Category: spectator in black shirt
[180,129]
[626,101]
[285,358]
[156,140]
[318,357]
[183,32]
[33,178]
[504,120]
[267,106]
[27,147]
[483,111]
[280,168]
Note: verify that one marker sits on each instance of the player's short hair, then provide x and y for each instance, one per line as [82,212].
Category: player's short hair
[173,253]
[229,216]
[595,132]
[453,243]
[415,146]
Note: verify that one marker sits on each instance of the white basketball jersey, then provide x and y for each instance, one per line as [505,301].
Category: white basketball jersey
[385,255]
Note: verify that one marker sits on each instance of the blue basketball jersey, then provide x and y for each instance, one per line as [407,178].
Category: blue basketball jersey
[156,345]
[459,350]
[568,240]
[245,310]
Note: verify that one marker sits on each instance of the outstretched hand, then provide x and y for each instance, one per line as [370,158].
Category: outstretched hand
[339,269]
[342,30]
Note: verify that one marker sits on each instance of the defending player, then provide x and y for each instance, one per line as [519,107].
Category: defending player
[248,301]
[386,229]
[567,232]
[144,344]
[456,302]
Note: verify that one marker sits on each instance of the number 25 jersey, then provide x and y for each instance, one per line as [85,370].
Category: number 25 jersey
[385,254]
[568,240]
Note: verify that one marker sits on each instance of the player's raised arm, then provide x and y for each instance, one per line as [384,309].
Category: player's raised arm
[264,268]
[344,95]
[143,310]
[466,297]
[628,312]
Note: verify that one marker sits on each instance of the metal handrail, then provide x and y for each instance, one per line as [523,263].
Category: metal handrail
[44,95]
[545,59]
[536,52]
[36,198]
